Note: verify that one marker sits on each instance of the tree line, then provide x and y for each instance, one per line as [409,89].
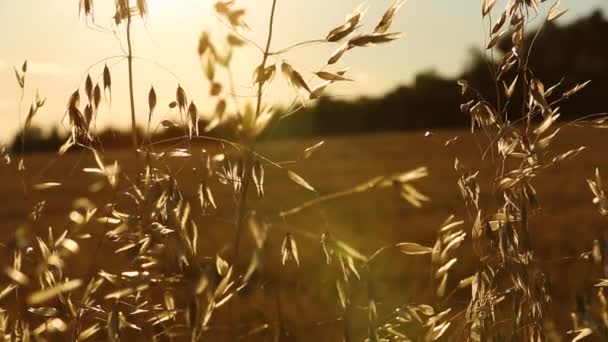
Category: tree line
[569,54]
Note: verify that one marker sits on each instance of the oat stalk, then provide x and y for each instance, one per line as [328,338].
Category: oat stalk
[131,95]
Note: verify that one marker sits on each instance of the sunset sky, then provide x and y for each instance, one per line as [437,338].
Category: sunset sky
[60,47]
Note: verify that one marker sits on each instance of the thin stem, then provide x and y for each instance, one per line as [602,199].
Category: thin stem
[363,187]
[248,153]
[247,160]
[22,159]
[308,42]
[346,323]
[131,96]
[494,73]
[266,54]
[279,309]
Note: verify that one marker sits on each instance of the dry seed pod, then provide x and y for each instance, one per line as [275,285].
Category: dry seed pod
[487,6]
[223,6]
[234,15]
[510,89]
[76,121]
[107,81]
[482,115]
[300,181]
[264,76]
[518,37]
[203,43]
[180,97]
[209,67]
[87,6]
[299,82]
[375,38]
[537,92]
[555,12]
[206,197]
[216,89]
[236,18]
[52,292]
[151,103]
[289,250]
[336,55]
[411,248]
[318,90]
[294,78]
[310,150]
[257,74]
[74,101]
[551,89]
[193,115]
[234,40]
[96,96]
[20,78]
[388,17]
[328,76]
[258,177]
[17,276]
[500,22]
[340,32]
[168,124]
[142,8]
[29,117]
[494,39]
[88,115]
[576,89]
[122,11]
[352,20]
[88,87]
[39,102]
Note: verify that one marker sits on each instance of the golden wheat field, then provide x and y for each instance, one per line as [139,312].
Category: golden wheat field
[561,230]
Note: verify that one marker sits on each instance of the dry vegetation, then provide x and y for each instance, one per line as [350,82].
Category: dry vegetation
[207,238]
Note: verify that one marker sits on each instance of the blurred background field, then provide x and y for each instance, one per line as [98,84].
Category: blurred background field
[561,232]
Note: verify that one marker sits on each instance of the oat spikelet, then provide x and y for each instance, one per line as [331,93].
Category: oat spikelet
[294,78]
[328,76]
[180,98]
[107,81]
[352,20]
[151,104]
[388,17]
[374,38]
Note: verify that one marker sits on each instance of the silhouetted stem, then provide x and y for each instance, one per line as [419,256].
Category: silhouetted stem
[279,309]
[22,159]
[131,97]
[346,324]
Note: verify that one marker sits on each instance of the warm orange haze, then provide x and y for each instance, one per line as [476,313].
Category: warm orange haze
[300,170]
[60,47]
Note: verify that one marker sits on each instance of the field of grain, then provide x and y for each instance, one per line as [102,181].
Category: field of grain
[561,231]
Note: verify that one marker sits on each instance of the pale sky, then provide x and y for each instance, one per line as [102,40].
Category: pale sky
[60,48]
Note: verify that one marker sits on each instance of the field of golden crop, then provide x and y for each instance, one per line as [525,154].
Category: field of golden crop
[561,231]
